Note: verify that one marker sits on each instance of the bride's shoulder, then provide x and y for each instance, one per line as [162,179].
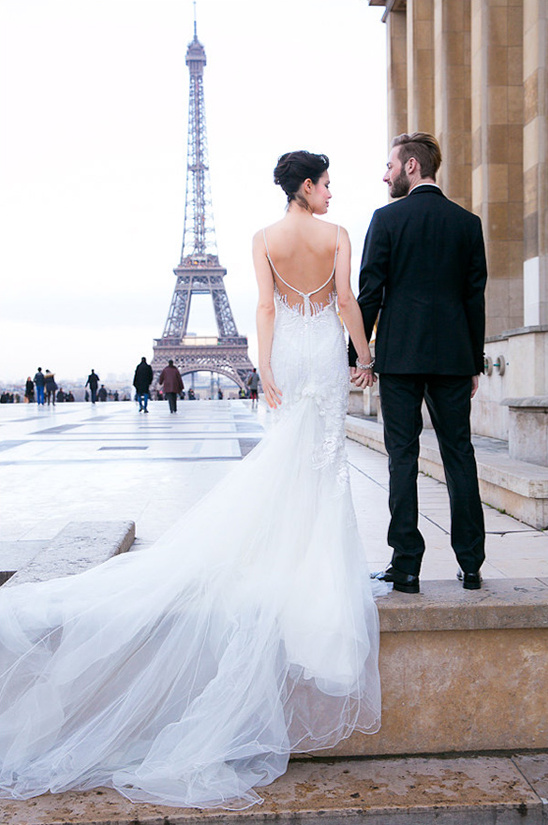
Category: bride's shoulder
[329,228]
[271,227]
[260,233]
[332,231]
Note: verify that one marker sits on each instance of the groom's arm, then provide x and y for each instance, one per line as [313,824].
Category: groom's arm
[373,274]
[474,297]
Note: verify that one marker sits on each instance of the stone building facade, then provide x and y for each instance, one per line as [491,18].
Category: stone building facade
[475,74]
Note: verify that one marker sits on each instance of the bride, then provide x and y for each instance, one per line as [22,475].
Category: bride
[188,673]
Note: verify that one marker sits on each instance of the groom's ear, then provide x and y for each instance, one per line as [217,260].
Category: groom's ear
[412,166]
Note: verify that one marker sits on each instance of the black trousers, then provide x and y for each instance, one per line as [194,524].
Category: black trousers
[172,398]
[448,400]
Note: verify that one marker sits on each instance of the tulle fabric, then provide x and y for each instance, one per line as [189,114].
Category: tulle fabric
[186,674]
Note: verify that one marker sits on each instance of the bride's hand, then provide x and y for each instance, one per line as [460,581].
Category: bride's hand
[272,393]
[362,378]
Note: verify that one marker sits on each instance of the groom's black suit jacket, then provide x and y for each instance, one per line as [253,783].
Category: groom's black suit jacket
[423,268]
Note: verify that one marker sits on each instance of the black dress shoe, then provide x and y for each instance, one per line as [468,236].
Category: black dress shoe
[404,582]
[470,581]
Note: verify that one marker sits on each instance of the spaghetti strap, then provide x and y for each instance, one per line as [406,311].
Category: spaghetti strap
[271,262]
[298,291]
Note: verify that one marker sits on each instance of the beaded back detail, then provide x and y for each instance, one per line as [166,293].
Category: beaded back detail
[309,361]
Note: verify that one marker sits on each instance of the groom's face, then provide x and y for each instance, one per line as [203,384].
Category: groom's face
[396,176]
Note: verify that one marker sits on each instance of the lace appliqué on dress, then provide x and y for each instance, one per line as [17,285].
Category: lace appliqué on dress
[314,329]
[307,308]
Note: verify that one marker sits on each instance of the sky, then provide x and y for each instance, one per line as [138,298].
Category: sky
[94,114]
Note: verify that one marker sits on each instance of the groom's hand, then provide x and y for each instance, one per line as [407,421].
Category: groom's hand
[475,385]
[362,378]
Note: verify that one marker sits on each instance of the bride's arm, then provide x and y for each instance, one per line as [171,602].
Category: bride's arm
[351,313]
[266,314]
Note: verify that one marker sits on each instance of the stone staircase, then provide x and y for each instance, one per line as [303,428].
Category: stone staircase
[508,484]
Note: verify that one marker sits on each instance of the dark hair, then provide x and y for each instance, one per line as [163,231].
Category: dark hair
[294,168]
[424,148]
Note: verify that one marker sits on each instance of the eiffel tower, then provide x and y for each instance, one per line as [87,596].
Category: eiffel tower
[199,271]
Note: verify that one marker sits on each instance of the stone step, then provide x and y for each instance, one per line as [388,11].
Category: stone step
[481,790]
[77,547]
[516,487]
[462,671]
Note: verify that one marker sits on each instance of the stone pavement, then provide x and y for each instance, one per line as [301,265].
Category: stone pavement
[78,462]
[104,462]
[108,463]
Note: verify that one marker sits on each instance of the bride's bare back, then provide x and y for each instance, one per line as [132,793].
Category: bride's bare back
[302,255]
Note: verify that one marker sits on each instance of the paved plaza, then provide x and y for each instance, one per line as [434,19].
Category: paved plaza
[103,462]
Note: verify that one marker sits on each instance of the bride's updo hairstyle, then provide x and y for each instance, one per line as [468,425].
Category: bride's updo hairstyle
[294,168]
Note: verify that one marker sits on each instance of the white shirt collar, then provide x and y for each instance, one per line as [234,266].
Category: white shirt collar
[423,184]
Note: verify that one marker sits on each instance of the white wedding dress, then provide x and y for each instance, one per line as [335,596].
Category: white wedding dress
[187,673]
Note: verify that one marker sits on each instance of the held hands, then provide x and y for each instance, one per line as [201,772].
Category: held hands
[272,394]
[362,378]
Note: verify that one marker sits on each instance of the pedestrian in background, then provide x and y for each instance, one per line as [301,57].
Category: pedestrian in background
[29,391]
[171,380]
[142,381]
[93,383]
[39,383]
[50,387]
[253,384]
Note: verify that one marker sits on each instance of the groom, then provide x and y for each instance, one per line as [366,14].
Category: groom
[423,268]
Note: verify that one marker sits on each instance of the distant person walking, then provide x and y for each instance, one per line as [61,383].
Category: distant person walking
[50,387]
[29,391]
[253,384]
[142,381]
[102,394]
[39,383]
[93,383]
[170,379]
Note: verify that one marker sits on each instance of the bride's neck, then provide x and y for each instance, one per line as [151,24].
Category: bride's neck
[297,210]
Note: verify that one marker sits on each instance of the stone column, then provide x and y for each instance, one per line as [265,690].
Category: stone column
[497,152]
[535,149]
[420,66]
[452,97]
[396,34]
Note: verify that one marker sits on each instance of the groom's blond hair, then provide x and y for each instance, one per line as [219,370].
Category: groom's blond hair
[424,148]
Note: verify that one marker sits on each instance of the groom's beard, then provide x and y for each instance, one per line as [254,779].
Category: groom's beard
[400,185]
